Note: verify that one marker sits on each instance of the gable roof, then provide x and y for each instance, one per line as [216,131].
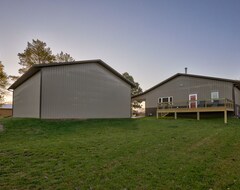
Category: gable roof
[37,67]
[235,82]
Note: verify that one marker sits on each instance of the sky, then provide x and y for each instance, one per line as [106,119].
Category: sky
[151,39]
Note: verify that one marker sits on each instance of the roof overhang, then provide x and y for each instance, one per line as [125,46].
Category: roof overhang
[36,68]
[235,82]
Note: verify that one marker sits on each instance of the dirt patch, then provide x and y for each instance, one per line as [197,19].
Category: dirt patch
[1,128]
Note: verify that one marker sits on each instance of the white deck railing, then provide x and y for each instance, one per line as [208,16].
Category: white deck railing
[223,102]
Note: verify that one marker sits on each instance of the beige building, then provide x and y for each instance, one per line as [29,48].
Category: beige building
[81,89]
[192,93]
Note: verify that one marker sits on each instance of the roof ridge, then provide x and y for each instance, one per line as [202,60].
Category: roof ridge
[189,75]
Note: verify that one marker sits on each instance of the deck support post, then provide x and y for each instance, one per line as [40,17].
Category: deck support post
[198,115]
[157,114]
[175,115]
[225,116]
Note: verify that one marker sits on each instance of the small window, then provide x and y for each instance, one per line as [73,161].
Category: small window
[214,95]
[165,99]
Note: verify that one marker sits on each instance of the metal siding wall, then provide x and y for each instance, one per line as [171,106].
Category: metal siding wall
[27,98]
[84,91]
[237,101]
[182,86]
[237,96]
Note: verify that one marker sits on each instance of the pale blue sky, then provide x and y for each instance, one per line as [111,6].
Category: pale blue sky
[151,40]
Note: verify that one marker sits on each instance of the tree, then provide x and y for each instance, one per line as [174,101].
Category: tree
[13,78]
[36,52]
[135,90]
[3,82]
[64,57]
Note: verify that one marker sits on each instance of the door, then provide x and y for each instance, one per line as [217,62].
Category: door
[192,100]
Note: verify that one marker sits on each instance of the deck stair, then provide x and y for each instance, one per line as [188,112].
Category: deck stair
[164,114]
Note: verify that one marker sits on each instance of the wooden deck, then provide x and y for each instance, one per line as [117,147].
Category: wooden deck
[219,105]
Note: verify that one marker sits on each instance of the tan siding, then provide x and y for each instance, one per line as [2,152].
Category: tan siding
[180,88]
[84,91]
[237,96]
[27,98]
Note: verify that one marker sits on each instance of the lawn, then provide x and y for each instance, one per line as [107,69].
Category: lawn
[120,154]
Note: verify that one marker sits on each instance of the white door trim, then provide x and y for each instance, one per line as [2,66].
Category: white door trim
[190,99]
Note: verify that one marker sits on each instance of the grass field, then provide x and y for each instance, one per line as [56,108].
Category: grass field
[120,154]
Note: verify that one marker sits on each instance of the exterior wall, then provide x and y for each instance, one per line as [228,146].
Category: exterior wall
[180,88]
[150,111]
[84,91]
[237,101]
[237,96]
[26,98]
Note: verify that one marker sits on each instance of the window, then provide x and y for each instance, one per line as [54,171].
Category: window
[165,100]
[214,95]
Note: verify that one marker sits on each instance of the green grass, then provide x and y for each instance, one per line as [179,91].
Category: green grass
[120,154]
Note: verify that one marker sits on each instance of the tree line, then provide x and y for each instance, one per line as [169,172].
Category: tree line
[37,52]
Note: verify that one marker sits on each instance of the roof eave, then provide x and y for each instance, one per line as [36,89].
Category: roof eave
[236,82]
[35,68]
[24,77]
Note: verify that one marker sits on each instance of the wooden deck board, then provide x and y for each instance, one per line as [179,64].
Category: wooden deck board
[224,106]
[193,110]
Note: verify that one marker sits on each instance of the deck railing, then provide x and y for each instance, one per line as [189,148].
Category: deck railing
[192,104]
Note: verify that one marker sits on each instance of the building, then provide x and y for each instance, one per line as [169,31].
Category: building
[192,93]
[5,110]
[6,106]
[74,90]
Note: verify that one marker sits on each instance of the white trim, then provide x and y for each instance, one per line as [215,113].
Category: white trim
[168,97]
[212,98]
[189,104]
